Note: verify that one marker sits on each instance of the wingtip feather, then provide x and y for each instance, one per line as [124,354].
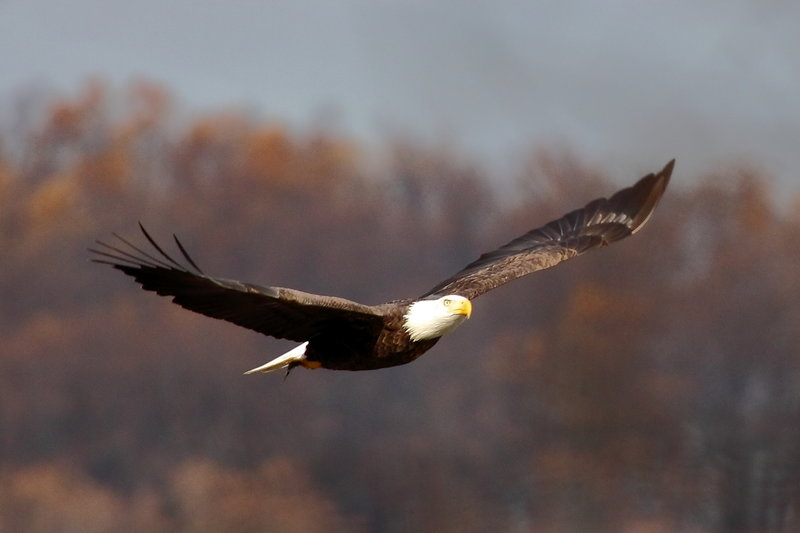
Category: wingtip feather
[657,187]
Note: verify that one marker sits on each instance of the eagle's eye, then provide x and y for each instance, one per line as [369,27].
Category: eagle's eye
[447,302]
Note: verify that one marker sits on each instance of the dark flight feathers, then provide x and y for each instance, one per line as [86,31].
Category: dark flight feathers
[276,311]
[599,223]
[299,316]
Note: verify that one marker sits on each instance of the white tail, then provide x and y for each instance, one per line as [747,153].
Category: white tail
[296,355]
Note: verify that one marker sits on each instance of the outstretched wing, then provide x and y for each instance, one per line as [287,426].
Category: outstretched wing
[599,223]
[275,311]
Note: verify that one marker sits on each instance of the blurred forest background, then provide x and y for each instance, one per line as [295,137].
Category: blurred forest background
[650,387]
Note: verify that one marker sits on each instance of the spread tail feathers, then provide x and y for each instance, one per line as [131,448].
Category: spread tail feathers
[295,356]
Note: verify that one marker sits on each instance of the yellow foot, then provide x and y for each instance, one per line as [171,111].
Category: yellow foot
[311,365]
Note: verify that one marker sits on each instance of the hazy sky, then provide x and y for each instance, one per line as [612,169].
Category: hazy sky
[626,83]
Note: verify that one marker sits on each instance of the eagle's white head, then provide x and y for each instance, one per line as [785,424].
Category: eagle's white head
[430,319]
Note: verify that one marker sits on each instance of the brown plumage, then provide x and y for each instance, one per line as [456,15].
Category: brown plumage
[340,334]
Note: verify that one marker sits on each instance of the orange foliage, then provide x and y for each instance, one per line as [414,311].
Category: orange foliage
[646,387]
[276,495]
[52,497]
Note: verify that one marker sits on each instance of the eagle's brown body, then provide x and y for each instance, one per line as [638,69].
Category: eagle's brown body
[343,335]
[392,345]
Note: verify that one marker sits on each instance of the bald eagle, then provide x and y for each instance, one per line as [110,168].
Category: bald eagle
[339,334]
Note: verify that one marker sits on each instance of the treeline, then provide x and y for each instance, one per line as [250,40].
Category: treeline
[649,387]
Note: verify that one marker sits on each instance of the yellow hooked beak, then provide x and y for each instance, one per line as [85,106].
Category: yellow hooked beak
[461,307]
